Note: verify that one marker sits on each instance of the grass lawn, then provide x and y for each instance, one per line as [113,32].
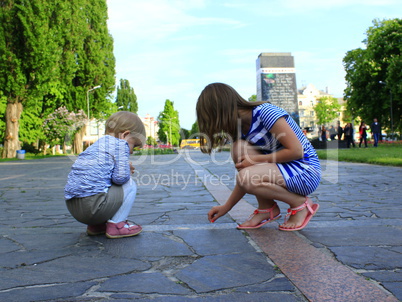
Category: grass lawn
[384,154]
[30,156]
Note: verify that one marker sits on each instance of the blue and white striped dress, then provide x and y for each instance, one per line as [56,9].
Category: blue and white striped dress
[302,176]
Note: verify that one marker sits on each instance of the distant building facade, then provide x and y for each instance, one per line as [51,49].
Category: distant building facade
[151,127]
[307,98]
[96,129]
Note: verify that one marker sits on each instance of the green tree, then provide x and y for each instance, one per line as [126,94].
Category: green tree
[327,109]
[151,141]
[98,62]
[52,52]
[184,133]
[380,61]
[126,98]
[95,63]
[194,130]
[28,55]
[169,125]
[253,98]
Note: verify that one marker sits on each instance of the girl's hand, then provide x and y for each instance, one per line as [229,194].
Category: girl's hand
[248,160]
[131,167]
[216,212]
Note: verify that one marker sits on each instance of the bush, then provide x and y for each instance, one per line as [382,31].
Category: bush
[155,151]
[29,148]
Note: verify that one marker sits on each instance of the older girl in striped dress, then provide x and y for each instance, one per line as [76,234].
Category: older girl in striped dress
[274,159]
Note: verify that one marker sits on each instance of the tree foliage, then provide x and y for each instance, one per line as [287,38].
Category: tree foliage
[185,134]
[326,109]
[253,98]
[28,56]
[194,132]
[126,99]
[51,53]
[169,125]
[62,124]
[380,61]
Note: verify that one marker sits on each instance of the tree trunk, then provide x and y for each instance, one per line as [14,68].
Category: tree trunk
[78,138]
[11,138]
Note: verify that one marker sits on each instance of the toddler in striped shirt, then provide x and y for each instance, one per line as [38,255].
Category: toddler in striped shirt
[100,191]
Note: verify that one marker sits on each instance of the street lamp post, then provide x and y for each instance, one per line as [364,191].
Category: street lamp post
[391,118]
[89,120]
[88,91]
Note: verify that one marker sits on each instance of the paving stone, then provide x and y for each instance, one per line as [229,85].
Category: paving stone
[144,245]
[355,236]
[69,269]
[224,297]
[152,283]
[188,216]
[44,239]
[368,257]
[384,276]
[226,271]
[277,284]
[395,288]
[7,246]
[27,258]
[215,241]
[58,292]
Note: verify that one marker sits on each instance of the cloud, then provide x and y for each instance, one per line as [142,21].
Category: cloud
[289,7]
[154,20]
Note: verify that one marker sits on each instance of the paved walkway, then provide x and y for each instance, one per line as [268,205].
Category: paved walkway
[351,251]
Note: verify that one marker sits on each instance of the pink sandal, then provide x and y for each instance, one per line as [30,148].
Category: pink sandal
[311,210]
[265,221]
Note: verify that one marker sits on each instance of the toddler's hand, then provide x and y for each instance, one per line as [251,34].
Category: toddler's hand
[131,167]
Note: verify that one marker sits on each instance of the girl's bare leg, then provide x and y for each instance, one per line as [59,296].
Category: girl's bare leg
[265,181]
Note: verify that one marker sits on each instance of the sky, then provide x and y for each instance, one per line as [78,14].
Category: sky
[172,49]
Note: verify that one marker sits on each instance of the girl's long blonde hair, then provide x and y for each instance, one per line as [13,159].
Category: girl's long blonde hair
[217,115]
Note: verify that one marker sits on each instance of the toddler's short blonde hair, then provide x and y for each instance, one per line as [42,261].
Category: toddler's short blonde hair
[122,121]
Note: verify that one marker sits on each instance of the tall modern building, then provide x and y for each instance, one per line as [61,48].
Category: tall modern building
[276,81]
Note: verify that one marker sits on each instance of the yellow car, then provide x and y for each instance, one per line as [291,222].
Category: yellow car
[190,144]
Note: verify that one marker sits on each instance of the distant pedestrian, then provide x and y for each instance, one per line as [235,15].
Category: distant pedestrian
[348,132]
[99,191]
[339,131]
[274,158]
[323,134]
[376,131]
[332,133]
[363,134]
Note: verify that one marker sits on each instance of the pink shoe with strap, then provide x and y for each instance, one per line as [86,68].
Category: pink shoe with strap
[312,208]
[122,229]
[265,221]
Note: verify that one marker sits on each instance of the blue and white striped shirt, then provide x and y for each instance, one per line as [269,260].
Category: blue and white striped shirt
[102,164]
[302,176]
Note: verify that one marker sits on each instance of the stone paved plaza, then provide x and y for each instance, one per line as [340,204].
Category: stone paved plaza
[351,250]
